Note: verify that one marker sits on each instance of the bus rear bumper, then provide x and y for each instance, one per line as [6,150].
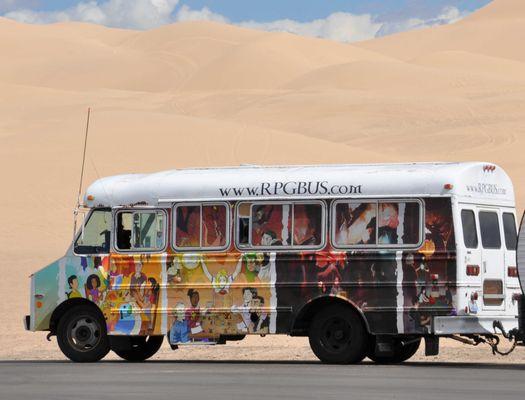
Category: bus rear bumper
[470,324]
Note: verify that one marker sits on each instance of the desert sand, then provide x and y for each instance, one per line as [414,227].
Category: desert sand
[207,94]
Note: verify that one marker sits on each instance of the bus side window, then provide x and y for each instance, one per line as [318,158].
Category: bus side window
[509,228]
[470,232]
[95,235]
[148,230]
[355,224]
[307,224]
[187,226]
[281,225]
[399,223]
[214,226]
[271,225]
[201,226]
[140,230]
[489,228]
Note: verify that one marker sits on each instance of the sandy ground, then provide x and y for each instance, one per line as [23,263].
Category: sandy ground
[206,94]
[275,348]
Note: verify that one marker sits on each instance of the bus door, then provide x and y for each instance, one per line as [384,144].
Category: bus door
[510,239]
[492,258]
[471,249]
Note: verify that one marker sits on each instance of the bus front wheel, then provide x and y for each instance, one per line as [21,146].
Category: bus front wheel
[338,336]
[140,348]
[82,335]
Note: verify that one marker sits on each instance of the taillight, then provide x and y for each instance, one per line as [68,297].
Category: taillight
[512,272]
[473,270]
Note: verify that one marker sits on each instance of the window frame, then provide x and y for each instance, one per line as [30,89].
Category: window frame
[86,219]
[498,223]
[505,231]
[476,227]
[133,211]
[284,248]
[377,246]
[200,204]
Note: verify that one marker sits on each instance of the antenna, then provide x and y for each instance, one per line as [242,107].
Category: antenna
[82,171]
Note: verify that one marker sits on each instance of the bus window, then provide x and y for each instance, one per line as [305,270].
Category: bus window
[95,235]
[372,224]
[399,223]
[141,230]
[489,228]
[355,224]
[470,232]
[188,226]
[214,226]
[509,228]
[271,225]
[307,225]
[201,226]
[283,225]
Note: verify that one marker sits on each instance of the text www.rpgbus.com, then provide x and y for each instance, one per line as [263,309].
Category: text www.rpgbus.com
[291,188]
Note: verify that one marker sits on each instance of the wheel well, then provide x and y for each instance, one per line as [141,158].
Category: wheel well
[304,317]
[66,306]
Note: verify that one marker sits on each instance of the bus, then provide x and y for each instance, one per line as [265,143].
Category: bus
[364,260]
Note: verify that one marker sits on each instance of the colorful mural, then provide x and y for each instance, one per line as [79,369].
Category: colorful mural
[197,297]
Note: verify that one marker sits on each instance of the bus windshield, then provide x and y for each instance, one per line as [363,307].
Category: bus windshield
[94,237]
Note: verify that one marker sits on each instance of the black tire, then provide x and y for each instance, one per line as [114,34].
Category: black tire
[402,352]
[140,349]
[338,336]
[82,334]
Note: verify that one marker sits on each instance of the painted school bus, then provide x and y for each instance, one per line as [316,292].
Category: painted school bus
[365,260]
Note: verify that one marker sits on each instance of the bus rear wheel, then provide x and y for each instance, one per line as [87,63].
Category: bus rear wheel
[337,336]
[82,335]
[402,352]
[140,348]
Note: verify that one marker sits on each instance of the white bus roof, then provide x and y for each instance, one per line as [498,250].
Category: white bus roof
[478,182]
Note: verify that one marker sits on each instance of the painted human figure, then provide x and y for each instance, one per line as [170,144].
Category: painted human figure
[328,274]
[93,288]
[174,271]
[73,285]
[264,273]
[252,266]
[269,238]
[115,278]
[194,313]
[244,310]
[180,330]
[137,279]
[422,297]
[258,316]
[149,294]
[222,281]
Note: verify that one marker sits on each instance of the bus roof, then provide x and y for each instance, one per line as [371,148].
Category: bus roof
[479,182]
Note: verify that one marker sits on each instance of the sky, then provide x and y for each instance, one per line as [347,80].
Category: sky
[342,20]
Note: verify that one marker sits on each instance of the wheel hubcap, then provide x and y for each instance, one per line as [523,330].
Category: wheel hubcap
[336,334]
[84,333]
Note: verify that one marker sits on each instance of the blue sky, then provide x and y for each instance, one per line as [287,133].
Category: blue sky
[345,20]
[300,10]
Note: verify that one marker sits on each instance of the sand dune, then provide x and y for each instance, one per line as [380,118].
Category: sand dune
[207,94]
[495,30]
